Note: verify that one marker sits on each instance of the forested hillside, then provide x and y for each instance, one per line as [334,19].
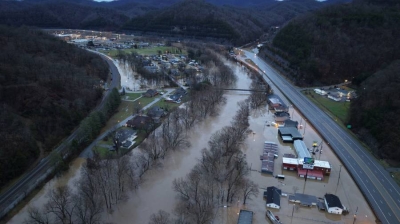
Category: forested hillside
[62,15]
[186,18]
[376,112]
[340,43]
[196,18]
[46,88]
[358,42]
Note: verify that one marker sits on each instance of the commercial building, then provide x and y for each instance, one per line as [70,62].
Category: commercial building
[320,168]
[301,149]
[289,134]
[270,152]
[276,103]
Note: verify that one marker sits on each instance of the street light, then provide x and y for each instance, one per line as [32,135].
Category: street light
[254,139]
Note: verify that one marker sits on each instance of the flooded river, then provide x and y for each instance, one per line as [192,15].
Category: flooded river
[156,191]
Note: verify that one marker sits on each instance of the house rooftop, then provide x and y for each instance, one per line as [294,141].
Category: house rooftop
[333,201]
[273,195]
[305,199]
[290,123]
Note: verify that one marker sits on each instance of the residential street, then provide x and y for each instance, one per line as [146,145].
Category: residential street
[374,181]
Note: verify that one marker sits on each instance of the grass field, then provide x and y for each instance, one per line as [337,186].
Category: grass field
[131,96]
[146,100]
[170,106]
[103,151]
[146,51]
[125,109]
[340,110]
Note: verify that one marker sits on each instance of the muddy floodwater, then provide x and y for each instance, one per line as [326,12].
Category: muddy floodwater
[156,191]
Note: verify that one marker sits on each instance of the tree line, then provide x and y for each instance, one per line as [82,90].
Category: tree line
[218,179]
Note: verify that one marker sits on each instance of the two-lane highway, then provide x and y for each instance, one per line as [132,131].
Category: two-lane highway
[374,181]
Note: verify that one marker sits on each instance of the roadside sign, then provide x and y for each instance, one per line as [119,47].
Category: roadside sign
[308,163]
[308,160]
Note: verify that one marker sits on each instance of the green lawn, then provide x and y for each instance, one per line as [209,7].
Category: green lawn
[125,109]
[131,96]
[170,106]
[340,110]
[146,51]
[396,177]
[103,151]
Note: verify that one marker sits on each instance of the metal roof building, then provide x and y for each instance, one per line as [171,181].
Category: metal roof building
[245,217]
[301,149]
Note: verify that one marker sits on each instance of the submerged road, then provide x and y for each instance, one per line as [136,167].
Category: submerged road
[21,188]
[377,185]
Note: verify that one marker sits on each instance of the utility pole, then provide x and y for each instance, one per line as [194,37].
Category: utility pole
[355,215]
[320,150]
[340,169]
[305,124]
[292,111]
[305,180]
[294,205]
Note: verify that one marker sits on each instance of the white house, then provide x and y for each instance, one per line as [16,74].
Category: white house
[273,197]
[320,92]
[336,97]
[333,204]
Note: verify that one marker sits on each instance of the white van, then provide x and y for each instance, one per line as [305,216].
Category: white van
[280,176]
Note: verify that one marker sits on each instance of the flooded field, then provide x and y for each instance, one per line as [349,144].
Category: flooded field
[156,191]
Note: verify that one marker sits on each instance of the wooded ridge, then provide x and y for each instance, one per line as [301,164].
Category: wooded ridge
[46,88]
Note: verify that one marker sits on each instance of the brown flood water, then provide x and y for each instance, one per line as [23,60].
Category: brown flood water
[156,191]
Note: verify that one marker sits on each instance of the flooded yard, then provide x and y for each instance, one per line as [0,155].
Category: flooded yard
[156,191]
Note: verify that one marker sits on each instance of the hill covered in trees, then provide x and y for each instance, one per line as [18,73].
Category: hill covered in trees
[46,88]
[187,18]
[60,15]
[196,18]
[357,42]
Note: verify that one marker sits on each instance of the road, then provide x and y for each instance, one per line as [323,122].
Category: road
[14,194]
[377,185]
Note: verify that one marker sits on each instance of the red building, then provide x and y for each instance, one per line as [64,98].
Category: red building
[320,168]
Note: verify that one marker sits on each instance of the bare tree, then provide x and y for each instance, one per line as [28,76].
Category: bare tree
[61,205]
[116,141]
[89,203]
[249,188]
[173,132]
[161,217]
[36,217]
[154,146]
